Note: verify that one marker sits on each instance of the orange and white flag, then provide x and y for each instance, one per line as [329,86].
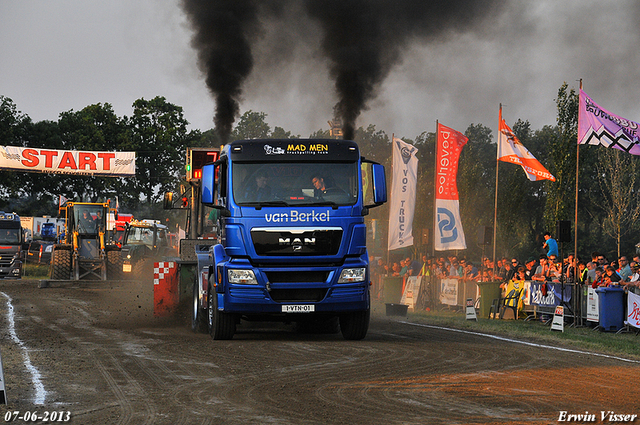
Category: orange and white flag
[511,150]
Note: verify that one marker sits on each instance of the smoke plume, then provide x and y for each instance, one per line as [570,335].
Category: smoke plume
[362,40]
[224,31]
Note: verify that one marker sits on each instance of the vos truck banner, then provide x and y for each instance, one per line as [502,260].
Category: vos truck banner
[38,160]
[448,233]
[403,194]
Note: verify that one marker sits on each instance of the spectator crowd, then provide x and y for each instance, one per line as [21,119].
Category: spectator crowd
[549,267]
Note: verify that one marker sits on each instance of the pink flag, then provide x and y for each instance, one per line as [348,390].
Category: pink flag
[597,126]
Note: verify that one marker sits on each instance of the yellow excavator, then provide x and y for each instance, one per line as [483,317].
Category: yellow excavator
[83,254]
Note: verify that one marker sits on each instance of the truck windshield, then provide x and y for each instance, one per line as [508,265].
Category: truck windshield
[140,236]
[287,183]
[9,236]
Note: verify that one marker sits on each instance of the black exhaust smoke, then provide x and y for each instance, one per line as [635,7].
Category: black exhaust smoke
[364,39]
[224,31]
[361,39]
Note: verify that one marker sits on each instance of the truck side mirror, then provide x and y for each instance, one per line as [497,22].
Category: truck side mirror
[168,201]
[378,182]
[208,185]
[214,189]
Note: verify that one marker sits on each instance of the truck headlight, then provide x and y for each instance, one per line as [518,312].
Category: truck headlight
[353,275]
[245,277]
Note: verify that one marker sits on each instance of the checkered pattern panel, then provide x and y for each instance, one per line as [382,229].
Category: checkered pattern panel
[161,269]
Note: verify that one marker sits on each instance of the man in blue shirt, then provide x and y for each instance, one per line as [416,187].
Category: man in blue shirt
[551,245]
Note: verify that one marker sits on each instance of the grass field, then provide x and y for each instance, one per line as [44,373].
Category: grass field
[34,271]
[579,338]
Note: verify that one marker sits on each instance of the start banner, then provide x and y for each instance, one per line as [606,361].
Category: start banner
[40,160]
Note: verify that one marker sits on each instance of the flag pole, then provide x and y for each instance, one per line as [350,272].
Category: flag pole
[389,221]
[435,189]
[575,224]
[495,209]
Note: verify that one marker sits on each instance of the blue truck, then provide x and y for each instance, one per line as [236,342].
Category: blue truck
[11,246]
[292,236]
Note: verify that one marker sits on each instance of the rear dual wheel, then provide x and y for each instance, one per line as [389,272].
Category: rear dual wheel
[199,315]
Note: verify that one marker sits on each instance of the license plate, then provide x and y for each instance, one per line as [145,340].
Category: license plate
[303,308]
[126,268]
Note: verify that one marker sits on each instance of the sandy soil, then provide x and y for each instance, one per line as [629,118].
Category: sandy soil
[102,355]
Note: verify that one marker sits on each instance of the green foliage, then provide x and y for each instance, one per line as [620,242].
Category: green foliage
[560,203]
[320,134]
[618,173]
[251,125]
[157,132]
[476,183]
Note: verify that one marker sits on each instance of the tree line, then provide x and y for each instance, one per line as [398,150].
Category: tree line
[157,131]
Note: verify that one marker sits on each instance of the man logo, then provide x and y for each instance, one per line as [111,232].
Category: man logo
[296,242]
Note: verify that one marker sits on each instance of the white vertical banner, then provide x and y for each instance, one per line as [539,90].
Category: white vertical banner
[403,194]
[633,309]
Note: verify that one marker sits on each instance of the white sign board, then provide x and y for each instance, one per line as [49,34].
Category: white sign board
[3,393]
[449,291]
[558,319]
[471,310]
[411,291]
[593,312]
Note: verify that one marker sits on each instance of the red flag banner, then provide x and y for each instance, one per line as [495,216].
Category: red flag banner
[449,233]
[511,150]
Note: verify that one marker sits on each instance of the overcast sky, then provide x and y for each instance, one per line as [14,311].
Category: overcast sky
[61,55]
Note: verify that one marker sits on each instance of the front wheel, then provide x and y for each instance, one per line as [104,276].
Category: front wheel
[60,268]
[199,315]
[221,325]
[114,265]
[354,326]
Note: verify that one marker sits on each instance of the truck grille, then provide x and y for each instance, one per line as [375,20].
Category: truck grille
[297,276]
[296,241]
[298,295]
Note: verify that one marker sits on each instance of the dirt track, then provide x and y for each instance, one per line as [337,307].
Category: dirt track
[103,356]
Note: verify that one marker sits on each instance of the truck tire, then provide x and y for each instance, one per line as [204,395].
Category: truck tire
[114,265]
[221,325]
[354,326]
[143,269]
[199,315]
[60,264]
